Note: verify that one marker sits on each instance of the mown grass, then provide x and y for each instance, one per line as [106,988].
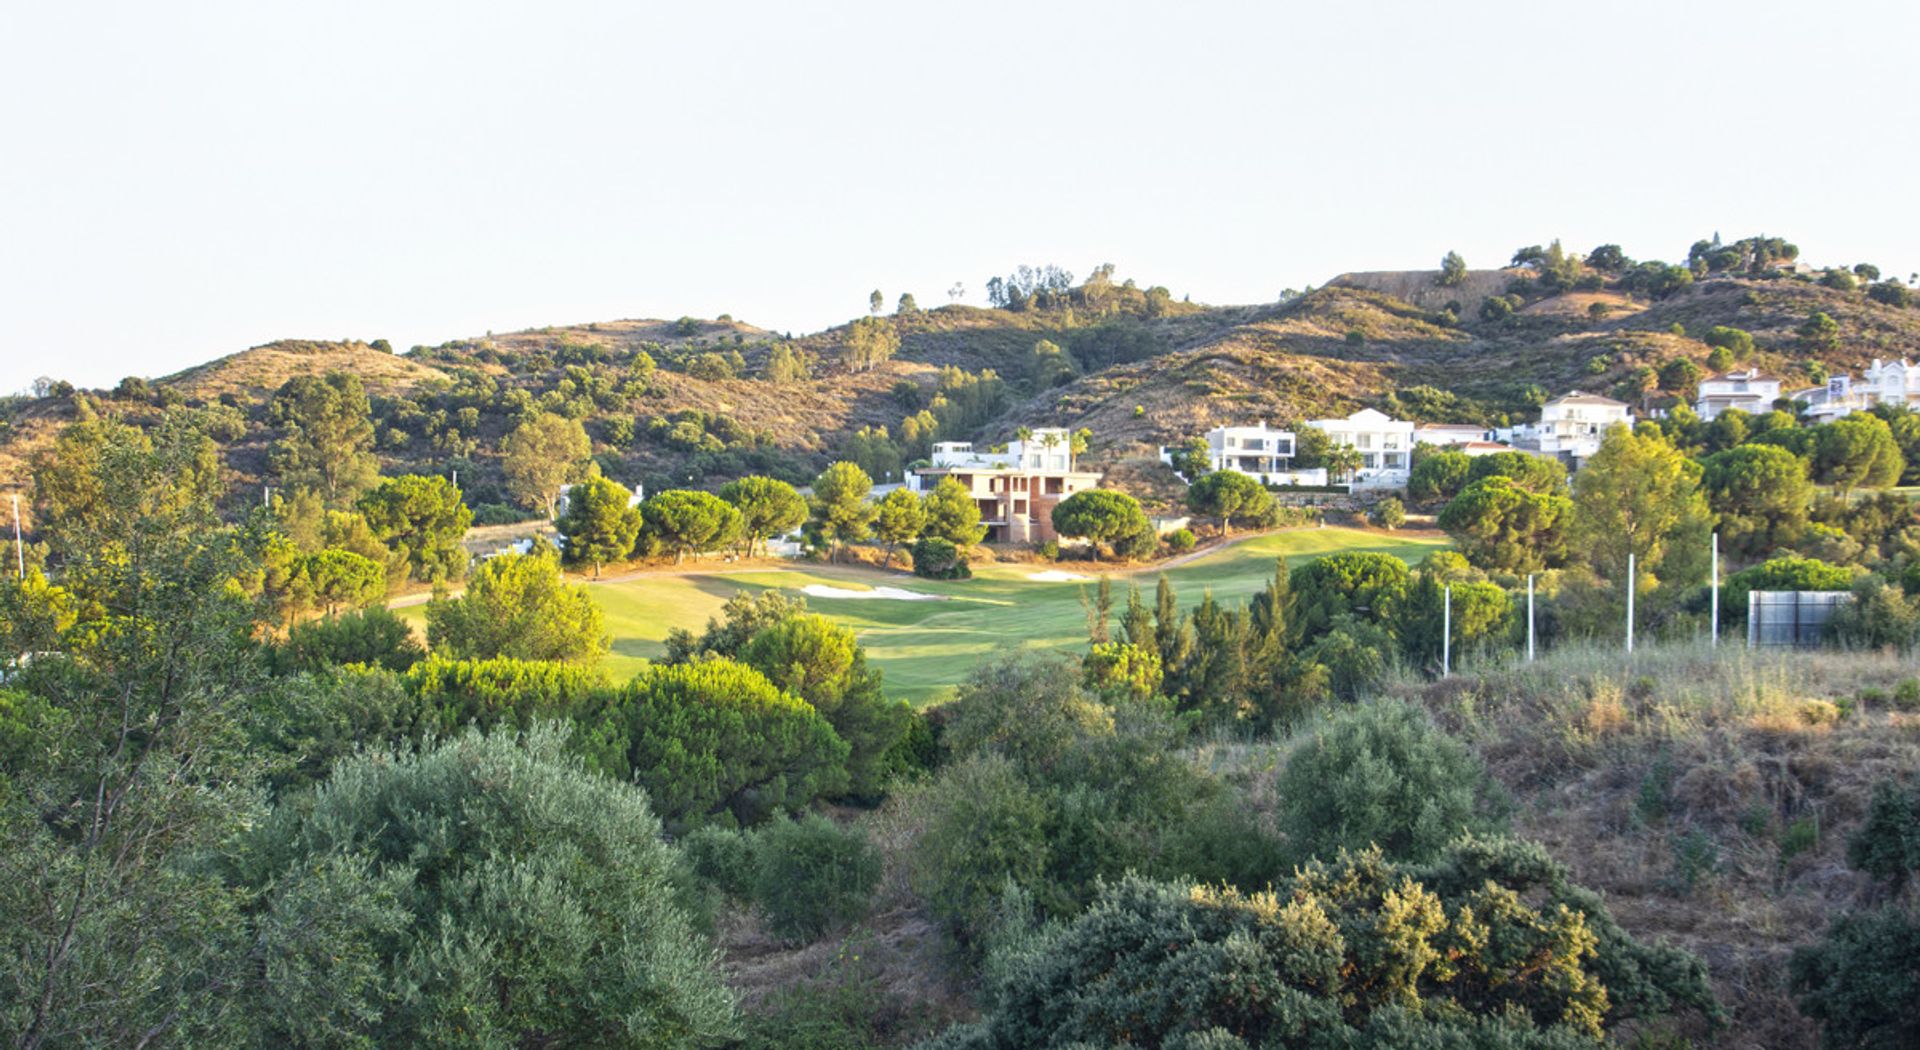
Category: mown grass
[926,648]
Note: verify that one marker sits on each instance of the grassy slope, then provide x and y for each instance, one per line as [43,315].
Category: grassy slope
[926,647]
[1706,794]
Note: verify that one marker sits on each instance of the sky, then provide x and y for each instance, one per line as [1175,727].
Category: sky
[183,181]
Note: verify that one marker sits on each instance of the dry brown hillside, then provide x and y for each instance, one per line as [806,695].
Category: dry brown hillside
[258,371]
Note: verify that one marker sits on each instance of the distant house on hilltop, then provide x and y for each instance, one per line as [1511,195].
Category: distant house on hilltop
[1881,383]
[1385,445]
[1748,391]
[1016,490]
[1571,427]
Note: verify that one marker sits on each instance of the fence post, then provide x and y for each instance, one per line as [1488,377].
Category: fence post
[1715,616]
[1632,585]
[1529,617]
[1446,634]
[1752,622]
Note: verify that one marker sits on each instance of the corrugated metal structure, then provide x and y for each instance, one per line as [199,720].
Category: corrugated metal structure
[1791,618]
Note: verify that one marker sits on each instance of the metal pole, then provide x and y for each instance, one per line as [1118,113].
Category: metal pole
[1446,634]
[1716,590]
[1529,617]
[1631,581]
[1752,622]
[19,551]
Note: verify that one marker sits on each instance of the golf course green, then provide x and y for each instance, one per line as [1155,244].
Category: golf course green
[926,647]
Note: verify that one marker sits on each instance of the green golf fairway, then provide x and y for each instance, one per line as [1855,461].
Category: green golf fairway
[925,648]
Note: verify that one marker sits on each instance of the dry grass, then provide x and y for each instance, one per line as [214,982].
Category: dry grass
[253,373]
[1710,795]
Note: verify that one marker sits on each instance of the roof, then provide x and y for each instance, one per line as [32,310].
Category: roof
[1751,375]
[1578,398]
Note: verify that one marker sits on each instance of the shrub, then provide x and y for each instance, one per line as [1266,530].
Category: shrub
[402,900]
[1380,774]
[935,558]
[716,741]
[1906,695]
[1862,982]
[1347,953]
[1887,846]
[1180,541]
[498,514]
[1389,513]
[374,637]
[810,875]
[723,857]
[990,827]
[1048,550]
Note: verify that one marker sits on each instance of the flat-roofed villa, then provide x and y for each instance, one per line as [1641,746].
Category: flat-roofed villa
[1016,490]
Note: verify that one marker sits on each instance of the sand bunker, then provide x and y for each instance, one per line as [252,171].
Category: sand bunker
[821,590]
[1054,576]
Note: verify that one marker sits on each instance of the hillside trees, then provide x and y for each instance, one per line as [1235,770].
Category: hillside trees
[518,606]
[1113,521]
[1228,494]
[542,454]
[688,521]
[768,507]
[870,342]
[1453,270]
[326,441]
[471,914]
[422,520]
[599,524]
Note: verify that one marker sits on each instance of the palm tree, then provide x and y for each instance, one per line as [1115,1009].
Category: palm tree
[1077,445]
[1343,460]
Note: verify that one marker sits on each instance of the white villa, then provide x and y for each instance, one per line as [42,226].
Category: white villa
[1882,383]
[1571,427]
[1472,439]
[1259,451]
[1748,391]
[1016,490]
[1385,446]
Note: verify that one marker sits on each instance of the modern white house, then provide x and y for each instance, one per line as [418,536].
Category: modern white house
[1881,383]
[1385,445]
[1470,438]
[1258,451]
[1571,427]
[1749,391]
[1016,490]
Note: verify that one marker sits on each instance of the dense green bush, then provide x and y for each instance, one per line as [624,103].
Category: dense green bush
[1381,774]
[372,636]
[723,857]
[1363,583]
[1862,981]
[487,892]
[822,663]
[811,875]
[716,741]
[1180,541]
[938,559]
[1356,952]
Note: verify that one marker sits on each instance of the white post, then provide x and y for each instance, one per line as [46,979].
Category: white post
[19,551]
[1752,623]
[266,495]
[456,479]
[1716,590]
[1529,617]
[1446,634]
[1632,580]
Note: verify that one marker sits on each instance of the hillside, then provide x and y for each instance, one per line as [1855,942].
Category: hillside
[694,400]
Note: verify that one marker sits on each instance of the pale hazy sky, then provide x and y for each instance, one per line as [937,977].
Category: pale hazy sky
[185,180]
